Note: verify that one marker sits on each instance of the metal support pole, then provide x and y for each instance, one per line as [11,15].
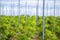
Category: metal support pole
[47,9]
[37,6]
[19,17]
[37,12]
[0,7]
[26,11]
[43,21]
[6,10]
[50,12]
[47,14]
[13,7]
[3,10]
[26,8]
[54,17]
[58,11]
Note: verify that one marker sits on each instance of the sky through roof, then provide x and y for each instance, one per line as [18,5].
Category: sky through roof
[8,5]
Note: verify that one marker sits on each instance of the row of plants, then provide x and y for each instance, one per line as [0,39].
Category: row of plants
[25,27]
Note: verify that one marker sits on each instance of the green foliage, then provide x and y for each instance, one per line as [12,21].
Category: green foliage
[10,26]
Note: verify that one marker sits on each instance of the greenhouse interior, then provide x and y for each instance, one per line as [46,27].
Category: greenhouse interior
[29,19]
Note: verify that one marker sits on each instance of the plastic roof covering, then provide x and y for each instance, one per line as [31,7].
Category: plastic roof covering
[31,4]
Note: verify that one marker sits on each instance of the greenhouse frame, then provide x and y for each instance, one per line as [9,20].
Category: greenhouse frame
[29,19]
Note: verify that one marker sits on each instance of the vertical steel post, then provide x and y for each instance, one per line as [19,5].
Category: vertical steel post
[26,8]
[0,7]
[50,12]
[58,11]
[54,18]
[13,8]
[37,6]
[47,9]
[26,11]
[18,17]
[3,10]
[6,10]
[47,14]
[43,20]
[37,12]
